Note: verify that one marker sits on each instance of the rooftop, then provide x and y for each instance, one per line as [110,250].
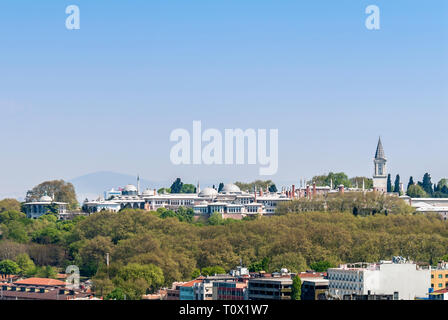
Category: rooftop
[40,282]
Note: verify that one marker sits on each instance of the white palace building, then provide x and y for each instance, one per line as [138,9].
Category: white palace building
[231,202]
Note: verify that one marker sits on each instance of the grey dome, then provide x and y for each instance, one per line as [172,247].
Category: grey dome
[231,188]
[208,193]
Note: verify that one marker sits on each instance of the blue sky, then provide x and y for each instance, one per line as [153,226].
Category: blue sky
[107,96]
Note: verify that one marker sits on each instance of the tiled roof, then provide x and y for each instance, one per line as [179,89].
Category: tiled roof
[440,291]
[192,282]
[40,282]
[51,294]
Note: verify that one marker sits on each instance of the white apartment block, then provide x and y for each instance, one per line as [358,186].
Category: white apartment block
[403,280]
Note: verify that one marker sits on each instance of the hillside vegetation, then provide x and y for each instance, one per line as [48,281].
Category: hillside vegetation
[152,249]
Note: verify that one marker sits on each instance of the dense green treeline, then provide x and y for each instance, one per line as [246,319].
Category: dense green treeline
[148,250]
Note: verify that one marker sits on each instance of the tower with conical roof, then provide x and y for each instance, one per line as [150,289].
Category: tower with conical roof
[380,172]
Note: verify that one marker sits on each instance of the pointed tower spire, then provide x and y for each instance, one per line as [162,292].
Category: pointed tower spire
[379,154]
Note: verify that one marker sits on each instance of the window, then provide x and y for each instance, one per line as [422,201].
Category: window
[440,285]
[440,276]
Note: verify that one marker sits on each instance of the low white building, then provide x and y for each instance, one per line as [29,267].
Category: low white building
[426,205]
[44,205]
[404,281]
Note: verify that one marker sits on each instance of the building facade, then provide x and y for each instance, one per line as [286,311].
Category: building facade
[276,288]
[405,281]
[439,276]
[44,205]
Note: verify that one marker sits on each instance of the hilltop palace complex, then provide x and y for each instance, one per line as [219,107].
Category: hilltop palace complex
[231,201]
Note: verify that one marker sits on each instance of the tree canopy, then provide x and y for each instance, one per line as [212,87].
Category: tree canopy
[62,191]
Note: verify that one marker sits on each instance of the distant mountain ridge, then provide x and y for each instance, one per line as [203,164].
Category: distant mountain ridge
[94,184]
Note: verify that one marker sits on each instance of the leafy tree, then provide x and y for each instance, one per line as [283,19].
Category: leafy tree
[220,187]
[116,294]
[9,267]
[188,188]
[258,184]
[45,272]
[210,271]
[47,235]
[9,205]
[444,190]
[416,191]
[176,187]
[25,264]
[292,261]
[11,215]
[337,178]
[296,289]
[273,188]
[215,219]
[358,181]
[196,273]
[261,265]
[321,266]
[442,185]
[151,276]
[389,183]
[164,190]
[62,191]
[16,231]
[397,184]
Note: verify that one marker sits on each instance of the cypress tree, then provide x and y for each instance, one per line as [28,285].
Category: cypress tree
[427,184]
[397,184]
[389,183]
[411,182]
[296,290]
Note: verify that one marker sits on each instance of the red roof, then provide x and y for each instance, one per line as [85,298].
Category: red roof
[191,283]
[441,291]
[41,282]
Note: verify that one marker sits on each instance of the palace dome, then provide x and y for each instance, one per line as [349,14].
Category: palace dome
[208,193]
[130,187]
[45,199]
[230,188]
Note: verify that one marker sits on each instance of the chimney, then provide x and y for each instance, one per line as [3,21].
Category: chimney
[293,191]
[308,195]
[314,189]
[261,192]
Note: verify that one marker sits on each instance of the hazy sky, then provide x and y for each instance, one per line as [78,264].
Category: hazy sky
[107,96]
